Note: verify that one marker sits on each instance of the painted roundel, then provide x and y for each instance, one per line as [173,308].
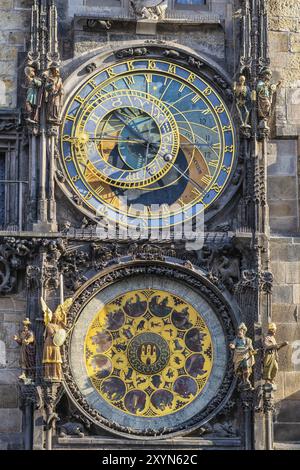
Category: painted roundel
[145,134]
[148,353]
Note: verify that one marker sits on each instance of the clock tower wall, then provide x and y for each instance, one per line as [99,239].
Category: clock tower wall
[54,245]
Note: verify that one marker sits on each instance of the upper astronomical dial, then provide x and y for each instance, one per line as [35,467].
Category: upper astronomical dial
[148,133]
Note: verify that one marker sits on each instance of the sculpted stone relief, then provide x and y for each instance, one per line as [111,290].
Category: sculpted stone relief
[149,9]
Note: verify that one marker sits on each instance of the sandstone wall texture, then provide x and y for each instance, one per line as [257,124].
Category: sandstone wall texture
[283,197]
[14,29]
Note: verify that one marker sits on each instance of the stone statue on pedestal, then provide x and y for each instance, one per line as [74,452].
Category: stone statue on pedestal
[243,357]
[54,95]
[26,340]
[265,97]
[33,85]
[271,348]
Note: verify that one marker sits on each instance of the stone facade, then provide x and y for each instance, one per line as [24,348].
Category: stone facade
[255,233]
[283,196]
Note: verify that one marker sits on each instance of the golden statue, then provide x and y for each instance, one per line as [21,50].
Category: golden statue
[271,349]
[55,336]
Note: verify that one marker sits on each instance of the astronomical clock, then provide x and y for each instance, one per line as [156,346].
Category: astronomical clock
[148,142]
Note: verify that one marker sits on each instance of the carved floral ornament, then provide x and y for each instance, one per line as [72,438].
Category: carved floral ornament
[114,277]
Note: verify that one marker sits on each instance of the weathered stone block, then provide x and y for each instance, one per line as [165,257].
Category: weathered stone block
[10,420]
[9,377]
[6,5]
[289,411]
[288,332]
[279,41]
[282,160]
[292,269]
[284,313]
[295,42]
[283,224]
[287,432]
[283,294]
[282,188]
[8,396]
[278,270]
[292,385]
[284,8]
[284,208]
[277,23]
[296,294]
[279,249]
[285,357]
[279,395]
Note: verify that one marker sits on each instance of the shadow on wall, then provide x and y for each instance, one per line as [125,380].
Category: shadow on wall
[2,354]
[287,422]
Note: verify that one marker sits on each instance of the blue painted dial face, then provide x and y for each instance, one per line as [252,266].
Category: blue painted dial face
[147,141]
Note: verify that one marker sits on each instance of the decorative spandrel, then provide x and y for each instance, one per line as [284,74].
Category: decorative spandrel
[147,133]
[148,353]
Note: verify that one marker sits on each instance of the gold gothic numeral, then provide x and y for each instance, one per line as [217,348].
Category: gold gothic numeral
[220,109]
[152,65]
[172,69]
[207,91]
[206,179]
[196,98]
[130,65]
[191,78]
[110,72]
[129,80]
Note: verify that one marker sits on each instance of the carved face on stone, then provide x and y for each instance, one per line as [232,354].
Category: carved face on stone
[54,72]
[267,75]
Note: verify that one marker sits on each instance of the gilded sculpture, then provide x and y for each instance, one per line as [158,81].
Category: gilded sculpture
[26,340]
[243,356]
[55,335]
[271,348]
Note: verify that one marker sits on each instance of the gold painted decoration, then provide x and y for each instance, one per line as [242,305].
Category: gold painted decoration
[148,353]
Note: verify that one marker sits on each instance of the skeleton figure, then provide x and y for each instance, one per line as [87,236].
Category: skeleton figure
[150,9]
[243,100]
